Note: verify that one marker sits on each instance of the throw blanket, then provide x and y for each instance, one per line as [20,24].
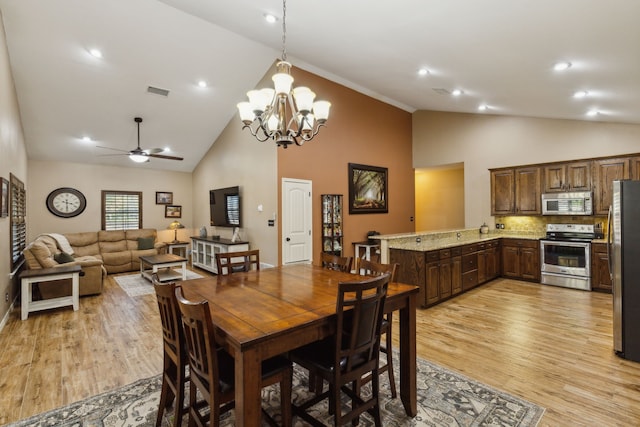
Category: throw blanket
[62,242]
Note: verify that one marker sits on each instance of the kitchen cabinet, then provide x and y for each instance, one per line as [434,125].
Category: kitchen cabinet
[432,278]
[332,224]
[412,269]
[469,267]
[516,191]
[635,168]
[521,259]
[204,250]
[450,278]
[600,278]
[492,260]
[572,176]
[605,171]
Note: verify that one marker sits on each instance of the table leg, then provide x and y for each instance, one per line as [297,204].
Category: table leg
[25,298]
[408,374]
[184,270]
[75,291]
[248,388]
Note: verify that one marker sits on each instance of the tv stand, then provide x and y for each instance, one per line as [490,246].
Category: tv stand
[204,250]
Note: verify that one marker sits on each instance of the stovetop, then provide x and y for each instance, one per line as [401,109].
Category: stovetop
[571,232]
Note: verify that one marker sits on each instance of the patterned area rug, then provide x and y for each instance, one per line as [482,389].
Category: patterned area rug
[135,285]
[445,399]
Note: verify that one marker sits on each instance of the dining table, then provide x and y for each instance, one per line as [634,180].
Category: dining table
[263,313]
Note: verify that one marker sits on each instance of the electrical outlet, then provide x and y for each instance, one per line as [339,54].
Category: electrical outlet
[6,297]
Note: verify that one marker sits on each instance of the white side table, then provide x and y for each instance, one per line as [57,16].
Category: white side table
[179,247]
[29,277]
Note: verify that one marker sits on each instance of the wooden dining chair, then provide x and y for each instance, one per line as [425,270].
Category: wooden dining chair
[335,262]
[212,369]
[371,268]
[233,262]
[174,376]
[343,359]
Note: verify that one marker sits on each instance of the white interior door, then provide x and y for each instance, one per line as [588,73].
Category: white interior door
[297,241]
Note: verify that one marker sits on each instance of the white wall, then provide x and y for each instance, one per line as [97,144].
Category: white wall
[482,142]
[45,177]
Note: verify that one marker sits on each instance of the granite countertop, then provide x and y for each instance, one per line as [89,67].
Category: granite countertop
[443,240]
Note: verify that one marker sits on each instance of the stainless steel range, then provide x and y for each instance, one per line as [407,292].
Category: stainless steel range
[565,255]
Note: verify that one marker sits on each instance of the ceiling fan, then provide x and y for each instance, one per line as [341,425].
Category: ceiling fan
[139,155]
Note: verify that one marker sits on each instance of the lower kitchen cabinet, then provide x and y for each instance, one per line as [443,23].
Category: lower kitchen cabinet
[521,259]
[600,278]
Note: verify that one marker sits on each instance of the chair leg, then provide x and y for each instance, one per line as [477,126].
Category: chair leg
[180,397]
[389,350]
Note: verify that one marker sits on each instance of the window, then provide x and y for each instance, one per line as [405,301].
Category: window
[121,210]
[18,214]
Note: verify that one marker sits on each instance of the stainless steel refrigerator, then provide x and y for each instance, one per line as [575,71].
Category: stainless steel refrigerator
[624,266]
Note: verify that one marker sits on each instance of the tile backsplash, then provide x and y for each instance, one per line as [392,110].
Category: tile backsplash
[538,224]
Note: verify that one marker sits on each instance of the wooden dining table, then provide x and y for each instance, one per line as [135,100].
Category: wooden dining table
[260,314]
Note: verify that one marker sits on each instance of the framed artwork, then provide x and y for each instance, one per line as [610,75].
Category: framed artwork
[172,211]
[367,189]
[164,198]
[4,198]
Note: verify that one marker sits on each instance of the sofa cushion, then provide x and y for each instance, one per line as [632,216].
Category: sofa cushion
[42,254]
[63,258]
[111,235]
[146,243]
[51,243]
[108,247]
[84,244]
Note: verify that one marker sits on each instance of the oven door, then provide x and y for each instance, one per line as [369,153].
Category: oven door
[564,257]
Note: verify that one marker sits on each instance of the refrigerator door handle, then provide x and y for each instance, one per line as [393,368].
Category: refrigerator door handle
[609,242]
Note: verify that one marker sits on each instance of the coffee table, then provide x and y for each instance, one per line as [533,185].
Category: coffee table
[162,265]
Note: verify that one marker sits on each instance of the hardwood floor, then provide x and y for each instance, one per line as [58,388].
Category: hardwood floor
[551,346]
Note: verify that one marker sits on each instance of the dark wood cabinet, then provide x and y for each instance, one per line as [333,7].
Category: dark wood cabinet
[573,176]
[635,168]
[600,278]
[516,191]
[606,171]
[432,280]
[521,259]
[492,260]
[412,269]
[456,274]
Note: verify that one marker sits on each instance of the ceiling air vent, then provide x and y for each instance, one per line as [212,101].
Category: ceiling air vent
[158,91]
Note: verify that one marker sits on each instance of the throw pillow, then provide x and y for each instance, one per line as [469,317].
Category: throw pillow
[63,258]
[146,243]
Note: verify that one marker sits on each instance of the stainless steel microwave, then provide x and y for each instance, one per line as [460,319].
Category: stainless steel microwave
[573,203]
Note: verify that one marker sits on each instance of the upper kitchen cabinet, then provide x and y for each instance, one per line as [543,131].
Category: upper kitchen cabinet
[635,168]
[516,191]
[573,176]
[605,171]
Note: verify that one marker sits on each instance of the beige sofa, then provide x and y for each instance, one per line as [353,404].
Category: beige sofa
[97,252]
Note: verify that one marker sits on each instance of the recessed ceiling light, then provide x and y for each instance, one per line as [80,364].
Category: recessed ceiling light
[202,83]
[593,113]
[423,72]
[580,94]
[456,92]
[86,139]
[96,53]
[562,66]
[483,107]
[271,19]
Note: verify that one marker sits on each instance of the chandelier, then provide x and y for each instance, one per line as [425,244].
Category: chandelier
[281,114]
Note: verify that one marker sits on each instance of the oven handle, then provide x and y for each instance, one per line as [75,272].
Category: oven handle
[609,243]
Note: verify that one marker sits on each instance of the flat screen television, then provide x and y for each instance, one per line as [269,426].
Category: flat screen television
[225,207]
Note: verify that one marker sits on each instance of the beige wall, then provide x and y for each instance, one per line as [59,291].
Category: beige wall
[360,130]
[45,177]
[13,159]
[440,198]
[236,158]
[486,141]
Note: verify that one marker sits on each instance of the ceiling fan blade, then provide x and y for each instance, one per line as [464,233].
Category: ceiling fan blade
[160,156]
[153,150]
[111,155]
[114,149]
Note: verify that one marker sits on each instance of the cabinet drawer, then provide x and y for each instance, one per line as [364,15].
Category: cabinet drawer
[521,243]
[457,251]
[433,256]
[467,249]
[469,280]
[469,262]
[482,246]
[445,253]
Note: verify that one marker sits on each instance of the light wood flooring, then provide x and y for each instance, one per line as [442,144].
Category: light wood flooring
[551,346]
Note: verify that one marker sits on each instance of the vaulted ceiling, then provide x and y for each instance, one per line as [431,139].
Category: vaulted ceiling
[499,53]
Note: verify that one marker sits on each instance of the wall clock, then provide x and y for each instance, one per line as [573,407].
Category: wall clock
[66,202]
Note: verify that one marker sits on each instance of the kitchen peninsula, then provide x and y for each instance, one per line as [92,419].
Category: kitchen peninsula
[445,264]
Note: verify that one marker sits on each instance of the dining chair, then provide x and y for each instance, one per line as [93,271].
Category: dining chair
[232,262]
[174,376]
[371,268]
[212,369]
[335,262]
[353,352]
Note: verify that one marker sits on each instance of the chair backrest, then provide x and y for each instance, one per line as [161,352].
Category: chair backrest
[201,345]
[371,268]
[172,333]
[232,262]
[360,309]
[335,262]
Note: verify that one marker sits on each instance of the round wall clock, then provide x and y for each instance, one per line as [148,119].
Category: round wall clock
[66,202]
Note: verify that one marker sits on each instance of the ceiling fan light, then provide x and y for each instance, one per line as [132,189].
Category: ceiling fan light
[139,158]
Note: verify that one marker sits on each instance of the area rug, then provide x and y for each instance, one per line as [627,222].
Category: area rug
[445,399]
[135,285]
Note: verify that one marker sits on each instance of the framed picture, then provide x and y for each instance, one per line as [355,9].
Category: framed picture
[367,189]
[4,198]
[173,211]
[164,198]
